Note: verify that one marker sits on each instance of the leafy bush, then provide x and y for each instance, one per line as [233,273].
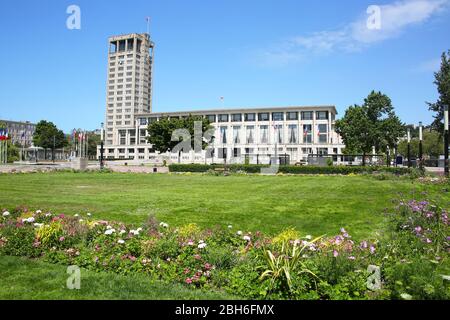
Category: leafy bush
[253,168]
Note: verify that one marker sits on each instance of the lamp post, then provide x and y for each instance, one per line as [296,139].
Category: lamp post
[409,148]
[420,146]
[446,129]
[102,150]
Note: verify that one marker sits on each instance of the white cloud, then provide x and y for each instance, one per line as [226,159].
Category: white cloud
[432,65]
[355,36]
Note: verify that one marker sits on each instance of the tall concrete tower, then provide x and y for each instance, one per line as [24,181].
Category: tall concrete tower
[129,87]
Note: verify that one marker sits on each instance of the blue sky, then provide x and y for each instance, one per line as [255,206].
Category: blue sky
[253,53]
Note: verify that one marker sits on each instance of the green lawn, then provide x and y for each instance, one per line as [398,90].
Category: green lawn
[313,204]
[27,279]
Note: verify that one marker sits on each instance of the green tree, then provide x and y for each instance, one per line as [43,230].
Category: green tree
[432,145]
[48,136]
[160,132]
[374,124]
[442,81]
[93,142]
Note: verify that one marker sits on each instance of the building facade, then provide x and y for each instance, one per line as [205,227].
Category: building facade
[241,135]
[20,132]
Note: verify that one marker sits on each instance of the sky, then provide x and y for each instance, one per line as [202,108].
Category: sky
[260,53]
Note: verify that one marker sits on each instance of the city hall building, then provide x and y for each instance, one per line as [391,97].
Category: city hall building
[254,135]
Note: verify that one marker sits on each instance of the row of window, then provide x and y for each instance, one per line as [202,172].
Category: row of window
[237,152]
[251,117]
[279,135]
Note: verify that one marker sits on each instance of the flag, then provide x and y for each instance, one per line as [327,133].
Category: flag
[23,135]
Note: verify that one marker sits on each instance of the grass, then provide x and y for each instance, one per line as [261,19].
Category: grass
[25,279]
[313,204]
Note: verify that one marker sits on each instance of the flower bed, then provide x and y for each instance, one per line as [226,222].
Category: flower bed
[413,256]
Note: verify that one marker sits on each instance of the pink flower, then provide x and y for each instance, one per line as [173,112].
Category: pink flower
[418,229]
[363,245]
[188,280]
[208,266]
[186,271]
[372,249]
[197,257]
[61,239]
[351,258]
[335,253]
[429,240]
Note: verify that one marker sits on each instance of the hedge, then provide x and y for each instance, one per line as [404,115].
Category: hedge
[253,168]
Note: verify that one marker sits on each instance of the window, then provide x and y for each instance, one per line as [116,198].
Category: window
[237,117]
[322,132]
[250,117]
[211,118]
[122,138]
[277,116]
[236,152]
[307,133]
[236,134]
[223,135]
[264,133]
[279,133]
[307,115]
[223,118]
[292,116]
[322,151]
[322,115]
[292,133]
[222,153]
[250,134]
[263,116]
[152,119]
[142,121]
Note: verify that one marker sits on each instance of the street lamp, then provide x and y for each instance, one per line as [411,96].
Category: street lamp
[420,146]
[102,150]
[409,148]
[446,129]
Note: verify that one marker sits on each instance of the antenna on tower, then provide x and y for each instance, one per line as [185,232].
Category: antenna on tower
[148,25]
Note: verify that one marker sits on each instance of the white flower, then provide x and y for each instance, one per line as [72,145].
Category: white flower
[139,229]
[308,237]
[121,241]
[88,214]
[202,245]
[201,241]
[38,225]
[30,220]
[164,225]
[38,211]
[81,220]
[110,231]
[108,227]
[122,232]
[76,215]
[246,238]
[48,214]
[239,233]
[190,243]
[230,226]
[5,214]
[135,232]
[406,296]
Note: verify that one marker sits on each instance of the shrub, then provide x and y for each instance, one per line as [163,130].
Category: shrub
[253,168]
